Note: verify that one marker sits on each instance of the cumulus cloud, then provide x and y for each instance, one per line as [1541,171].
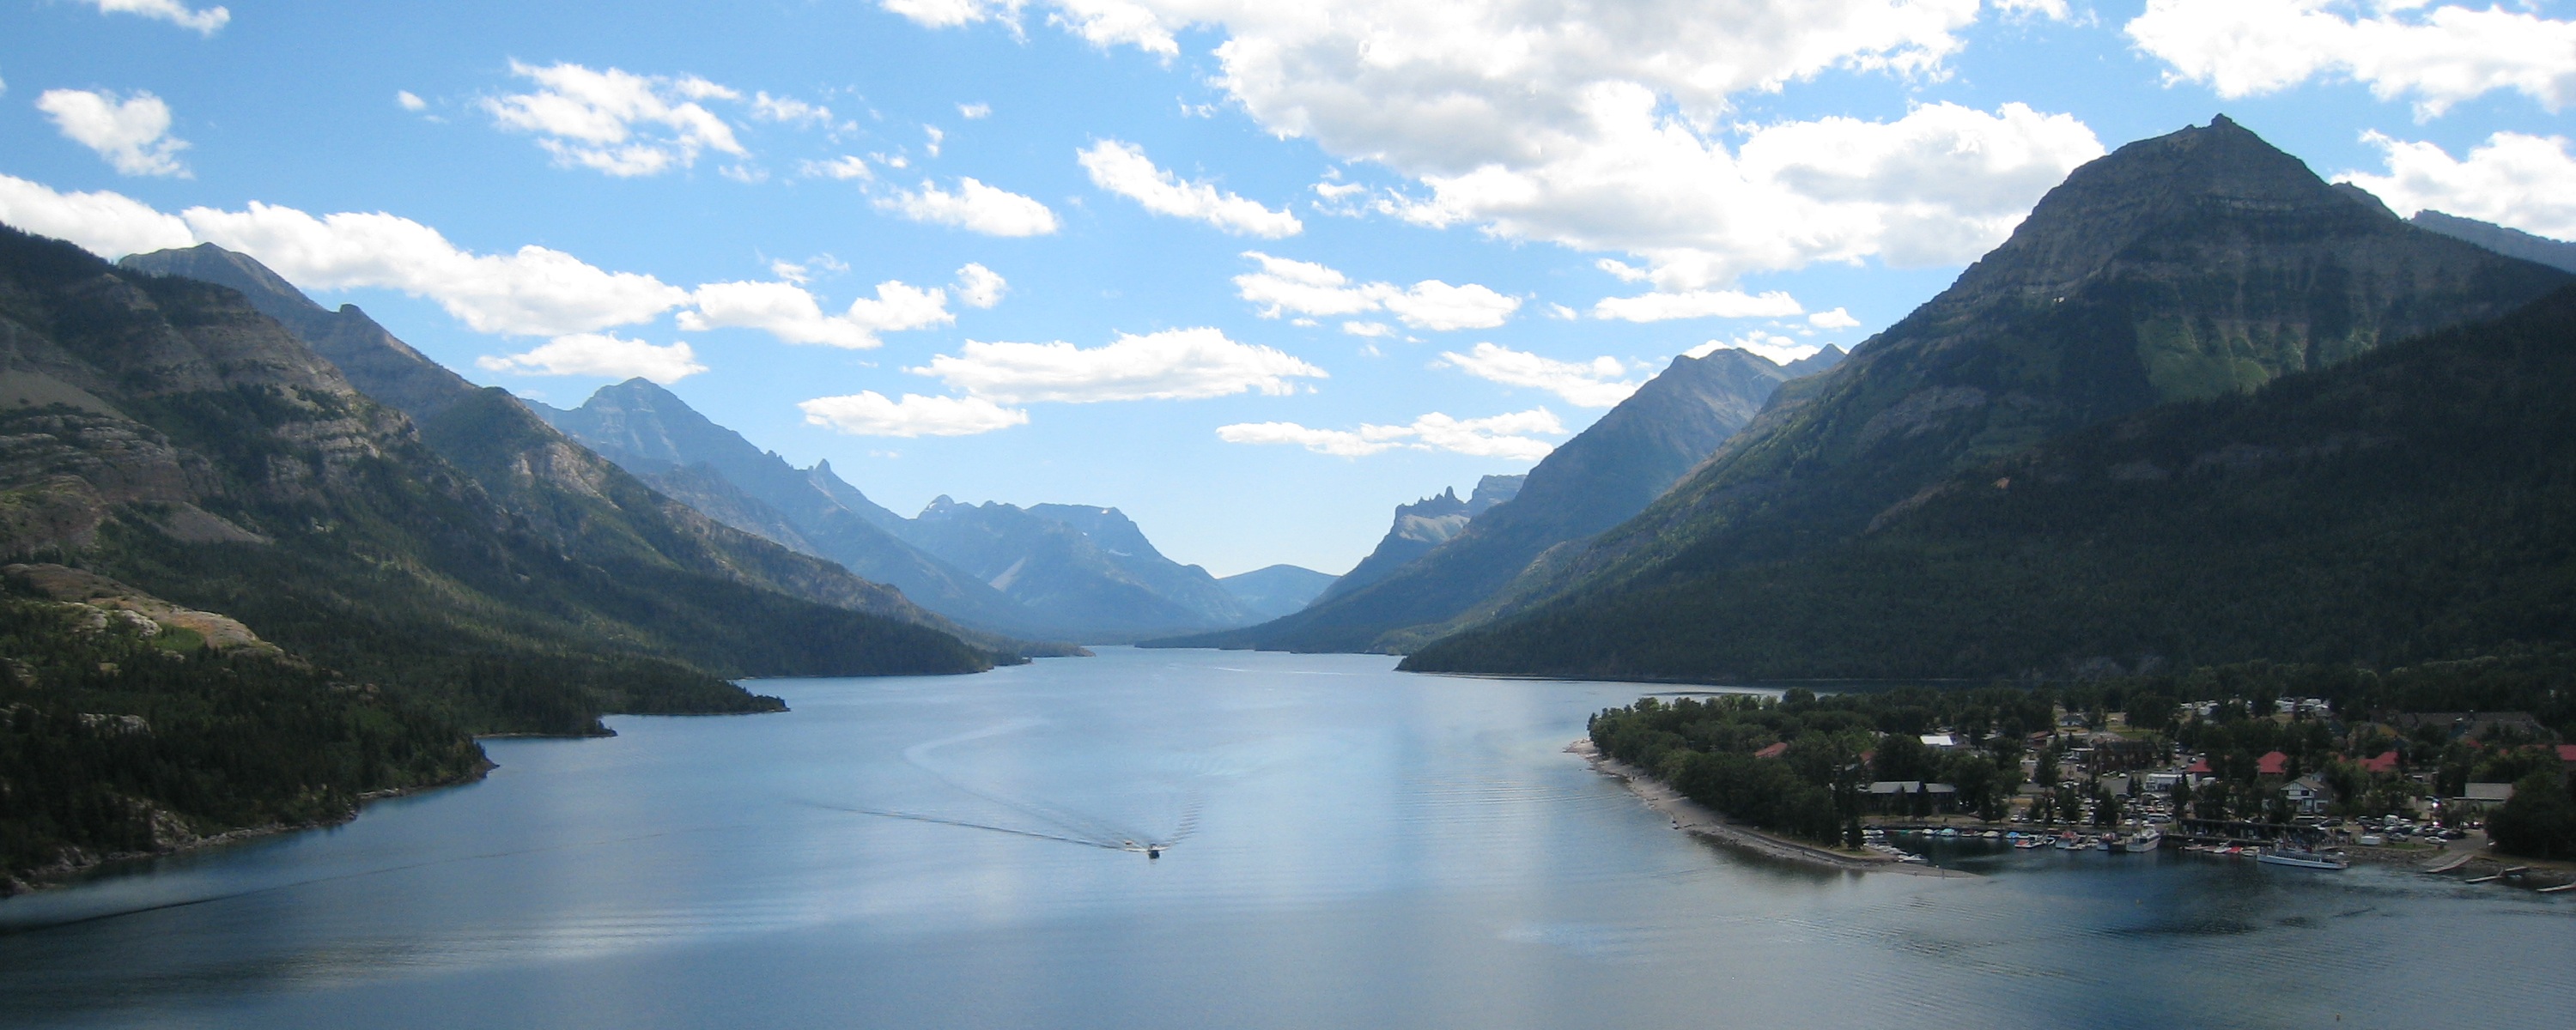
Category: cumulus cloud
[842,167]
[2527,182]
[1123,169]
[785,310]
[973,111]
[974,207]
[1543,121]
[616,121]
[1660,307]
[2438,54]
[948,13]
[1499,436]
[980,287]
[1835,319]
[534,291]
[869,413]
[205,20]
[410,101]
[1584,384]
[788,110]
[1777,349]
[1174,364]
[110,225]
[1284,286]
[600,354]
[132,133]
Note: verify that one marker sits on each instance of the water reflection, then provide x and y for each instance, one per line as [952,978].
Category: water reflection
[1354,848]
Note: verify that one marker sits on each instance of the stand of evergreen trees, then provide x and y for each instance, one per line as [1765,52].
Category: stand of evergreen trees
[115,740]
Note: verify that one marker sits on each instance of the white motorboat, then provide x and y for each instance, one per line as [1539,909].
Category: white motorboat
[2144,840]
[2302,858]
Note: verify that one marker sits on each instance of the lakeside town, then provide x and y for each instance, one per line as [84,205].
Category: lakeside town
[2316,782]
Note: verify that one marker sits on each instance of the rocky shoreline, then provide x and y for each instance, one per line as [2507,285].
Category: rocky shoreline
[1699,821]
[77,861]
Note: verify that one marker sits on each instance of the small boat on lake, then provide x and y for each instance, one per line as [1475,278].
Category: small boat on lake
[2144,840]
[2302,858]
[2027,843]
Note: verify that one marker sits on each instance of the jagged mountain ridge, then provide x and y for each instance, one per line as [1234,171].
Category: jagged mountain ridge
[652,433]
[1422,525]
[2558,254]
[163,431]
[2416,503]
[2186,267]
[578,499]
[1087,570]
[1603,475]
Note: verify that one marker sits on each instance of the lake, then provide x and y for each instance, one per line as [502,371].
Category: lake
[1348,847]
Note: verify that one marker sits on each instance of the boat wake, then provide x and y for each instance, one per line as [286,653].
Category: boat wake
[1054,822]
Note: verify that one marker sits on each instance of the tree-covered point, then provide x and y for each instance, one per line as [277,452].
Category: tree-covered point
[114,738]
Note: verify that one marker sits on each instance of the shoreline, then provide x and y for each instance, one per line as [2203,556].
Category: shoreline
[70,872]
[1698,820]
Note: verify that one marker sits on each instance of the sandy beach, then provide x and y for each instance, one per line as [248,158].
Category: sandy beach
[1699,821]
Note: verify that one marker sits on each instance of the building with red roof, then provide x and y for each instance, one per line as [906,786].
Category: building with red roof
[2272,764]
[1774,751]
[2385,764]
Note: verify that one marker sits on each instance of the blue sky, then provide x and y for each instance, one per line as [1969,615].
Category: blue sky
[1254,273]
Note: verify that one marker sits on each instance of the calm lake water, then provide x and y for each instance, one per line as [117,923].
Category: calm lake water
[1351,847]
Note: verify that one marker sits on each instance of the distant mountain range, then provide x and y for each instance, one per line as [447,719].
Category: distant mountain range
[165,432]
[1423,525]
[1058,571]
[2180,274]
[1605,474]
[1275,590]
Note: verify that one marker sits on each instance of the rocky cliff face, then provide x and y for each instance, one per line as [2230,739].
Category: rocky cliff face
[1085,570]
[2558,254]
[1605,474]
[2199,264]
[1421,526]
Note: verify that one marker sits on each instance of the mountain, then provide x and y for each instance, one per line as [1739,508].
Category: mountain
[575,498]
[1423,525]
[2558,254]
[162,431]
[2414,503]
[1085,572]
[2188,267]
[1607,473]
[655,435]
[1276,590]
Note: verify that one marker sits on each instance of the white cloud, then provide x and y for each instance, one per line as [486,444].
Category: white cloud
[2439,55]
[869,413]
[1546,120]
[842,167]
[600,354]
[1435,305]
[1592,384]
[2527,182]
[788,110]
[1285,286]
[132,133]
[1835,319]
[974,207]
[205,21]
[980,287]
[1123,169]
[786,311]
[936,135]
[1659,307]
[1779,350]
[615,121]
[1562,313]
[110,225]
[949,13]
[534,291]
[410,101]
[973,111]
[1367,329]
[1499,436]
[1174,364]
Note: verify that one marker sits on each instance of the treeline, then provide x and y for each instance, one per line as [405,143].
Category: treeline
[1706,749]
[113,739]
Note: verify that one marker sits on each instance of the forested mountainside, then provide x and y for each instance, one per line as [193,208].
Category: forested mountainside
[161,431]
[2415,503]
[129,725]
[581,502]
[2191,266]
[1602,476]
